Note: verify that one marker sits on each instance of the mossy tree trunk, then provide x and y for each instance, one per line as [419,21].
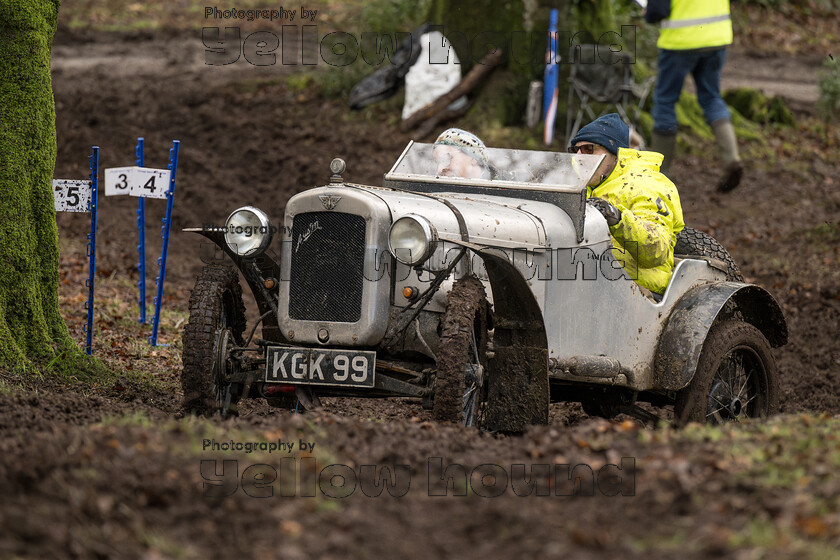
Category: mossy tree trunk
[523,25]
[31,327]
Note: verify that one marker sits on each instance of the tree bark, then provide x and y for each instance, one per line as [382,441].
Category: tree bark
[473,27]
[31,327]
[520,29]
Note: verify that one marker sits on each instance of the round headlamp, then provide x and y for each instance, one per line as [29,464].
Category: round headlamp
[248,231]
[412,239]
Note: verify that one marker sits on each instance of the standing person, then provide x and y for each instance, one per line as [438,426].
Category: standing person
[693,39]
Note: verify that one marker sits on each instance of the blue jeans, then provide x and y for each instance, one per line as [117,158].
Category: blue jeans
[705,67]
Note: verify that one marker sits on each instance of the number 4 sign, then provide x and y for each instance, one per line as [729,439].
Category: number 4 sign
[154,182]
[137,181]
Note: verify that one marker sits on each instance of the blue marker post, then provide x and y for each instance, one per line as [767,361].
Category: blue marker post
[141,230]
[164,233]
[550,89]
[93,165]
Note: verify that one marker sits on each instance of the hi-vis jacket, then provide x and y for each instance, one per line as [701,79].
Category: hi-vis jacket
[691,24]
[651,216]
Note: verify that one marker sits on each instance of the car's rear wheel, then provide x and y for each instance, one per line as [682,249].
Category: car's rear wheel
[460,393]
[216,323]
[693,242]
[736,377]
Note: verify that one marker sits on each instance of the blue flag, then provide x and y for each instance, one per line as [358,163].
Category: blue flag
[550,92]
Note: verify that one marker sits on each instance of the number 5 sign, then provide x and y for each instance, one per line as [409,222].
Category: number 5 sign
[71,195]
[137,181]
[83,196]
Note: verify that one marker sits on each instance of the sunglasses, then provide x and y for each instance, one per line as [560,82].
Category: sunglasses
[587,149]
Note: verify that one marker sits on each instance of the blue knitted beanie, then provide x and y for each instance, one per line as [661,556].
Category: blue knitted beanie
[608,131]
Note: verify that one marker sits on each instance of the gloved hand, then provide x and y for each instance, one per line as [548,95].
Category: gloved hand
[610,212]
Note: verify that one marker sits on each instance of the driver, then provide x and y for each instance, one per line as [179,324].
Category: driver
[640,204]
[459,153]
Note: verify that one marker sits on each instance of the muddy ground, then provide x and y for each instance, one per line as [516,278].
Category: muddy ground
[113,470]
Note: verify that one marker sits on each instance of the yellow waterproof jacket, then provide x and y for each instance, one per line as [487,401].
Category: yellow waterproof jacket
[694,25]
[651,216]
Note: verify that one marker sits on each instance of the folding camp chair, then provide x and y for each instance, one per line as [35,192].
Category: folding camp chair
[600,75]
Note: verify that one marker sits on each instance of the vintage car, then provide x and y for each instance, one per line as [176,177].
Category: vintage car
[486,298]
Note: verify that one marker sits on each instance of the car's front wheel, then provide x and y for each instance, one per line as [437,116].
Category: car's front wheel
[216,324]
[460,381]
[736,377]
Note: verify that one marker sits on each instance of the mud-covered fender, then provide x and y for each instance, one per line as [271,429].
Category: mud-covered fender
[253,269]
[682,339]
[517,381]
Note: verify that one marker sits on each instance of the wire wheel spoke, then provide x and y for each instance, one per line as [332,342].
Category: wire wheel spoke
[723,406]
[473,382]
[715,411]
[736,385]
[749,401]
[733,374]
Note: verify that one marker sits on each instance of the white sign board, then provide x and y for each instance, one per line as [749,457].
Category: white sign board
[71,195]
[116,181]
[137,181]
[151,183]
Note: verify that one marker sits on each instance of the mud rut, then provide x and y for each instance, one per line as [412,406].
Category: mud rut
[75,487]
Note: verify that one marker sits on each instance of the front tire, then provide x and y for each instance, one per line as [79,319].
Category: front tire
[460,380]
[217,318]
[736,377]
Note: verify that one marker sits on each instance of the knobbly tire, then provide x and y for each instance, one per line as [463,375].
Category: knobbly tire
[736,377]
[692,241]
[460,381]
[215,306]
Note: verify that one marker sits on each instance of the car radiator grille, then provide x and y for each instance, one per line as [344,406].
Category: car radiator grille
[327,275]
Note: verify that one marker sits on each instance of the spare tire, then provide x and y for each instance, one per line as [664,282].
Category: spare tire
[693,242]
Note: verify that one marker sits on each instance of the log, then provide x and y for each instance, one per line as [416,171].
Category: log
[429,125]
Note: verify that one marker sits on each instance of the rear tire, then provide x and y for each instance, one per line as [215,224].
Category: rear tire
[736,377]
[693,242]
[215,306]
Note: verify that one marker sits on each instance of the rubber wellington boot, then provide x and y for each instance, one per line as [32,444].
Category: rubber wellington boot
[733,167]
[665,144]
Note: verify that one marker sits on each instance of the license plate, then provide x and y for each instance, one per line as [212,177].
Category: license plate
[314,366]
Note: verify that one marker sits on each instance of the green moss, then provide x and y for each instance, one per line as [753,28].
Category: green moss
[299,81]
[690,116]
[30,323]
[595,17]
[473,21]
[754,106]
[502,100]
[829,101]
[388,16]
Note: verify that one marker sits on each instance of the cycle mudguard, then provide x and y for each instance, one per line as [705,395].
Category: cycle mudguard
[682,339]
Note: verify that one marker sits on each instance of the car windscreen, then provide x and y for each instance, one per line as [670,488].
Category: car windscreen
[494,167]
